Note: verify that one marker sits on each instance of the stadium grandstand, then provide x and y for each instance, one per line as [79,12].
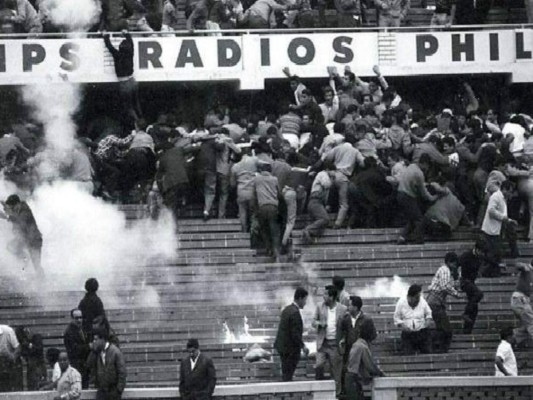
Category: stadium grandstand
[266,199]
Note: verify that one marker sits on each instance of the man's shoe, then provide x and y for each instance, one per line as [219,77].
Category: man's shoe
[306,237]
[401,240]
[206,215]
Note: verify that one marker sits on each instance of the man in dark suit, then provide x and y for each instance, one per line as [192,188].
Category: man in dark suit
[289,341]
[197,374]
[109,366]
[350,329]
[77,345]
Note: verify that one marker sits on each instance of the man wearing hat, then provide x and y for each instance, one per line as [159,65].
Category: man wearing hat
[25,228]
[327,321]
[197,374]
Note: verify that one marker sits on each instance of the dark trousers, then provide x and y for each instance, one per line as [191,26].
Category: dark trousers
[436,229]
[353,387]
[129,97]
[415,341]
[473,296]
[442,335]
[9,379]
[411,210]
[79,365]
[269,225]
[111,394]
[319,215]
[289,362]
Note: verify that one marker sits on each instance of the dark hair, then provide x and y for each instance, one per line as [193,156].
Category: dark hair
[414,290]
[351,108]
[367,330]
[356,301]
[300,293]
[449,141]
[91,285]
[507,185]
[72,312]
[350,75]
[338,282]
[339,127]
[332,291]
[193,344]
[52,355]
[451,257]
[424,159]
[327,89]
[102,333]
[506,332]
[13,200]
[307,92]
[387,96]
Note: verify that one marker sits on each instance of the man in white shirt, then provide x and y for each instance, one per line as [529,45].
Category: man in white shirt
[9,354]
[413,316]
[494,221]
[327,320]
[317,206]
[505,363]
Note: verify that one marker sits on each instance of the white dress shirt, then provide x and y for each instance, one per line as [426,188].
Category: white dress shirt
[412,319]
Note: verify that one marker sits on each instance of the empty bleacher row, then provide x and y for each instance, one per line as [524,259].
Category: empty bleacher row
[215,279]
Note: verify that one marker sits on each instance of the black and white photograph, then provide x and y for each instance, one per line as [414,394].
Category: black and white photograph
[266,199]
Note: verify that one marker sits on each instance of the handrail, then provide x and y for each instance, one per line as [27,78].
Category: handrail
[71,35]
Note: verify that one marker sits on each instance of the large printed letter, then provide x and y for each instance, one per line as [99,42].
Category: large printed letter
[223,45]
[466,47]
[309,51]
[71,61]
[150,52]
[426,45]
[341,46]
[189,54]
[32,54]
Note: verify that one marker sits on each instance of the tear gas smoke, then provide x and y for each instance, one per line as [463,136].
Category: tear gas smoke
[82,236]
[384,287]
[72,15]
[54,107]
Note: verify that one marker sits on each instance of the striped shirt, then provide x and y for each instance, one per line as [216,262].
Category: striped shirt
[442,283]
[290,123]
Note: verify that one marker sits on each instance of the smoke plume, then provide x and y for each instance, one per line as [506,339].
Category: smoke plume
[54,107]
[72,15]
[384,287]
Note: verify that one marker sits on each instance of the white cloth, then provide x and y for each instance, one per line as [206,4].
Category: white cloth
[103,353]
[505,352]
[8,342]
[293,140]
[193,362]
[56,374]
[412,319]
[518,132]
[331,328]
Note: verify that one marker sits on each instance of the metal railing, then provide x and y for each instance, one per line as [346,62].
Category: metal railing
[240,32]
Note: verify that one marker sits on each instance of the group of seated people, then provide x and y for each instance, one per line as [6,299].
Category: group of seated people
[37,16]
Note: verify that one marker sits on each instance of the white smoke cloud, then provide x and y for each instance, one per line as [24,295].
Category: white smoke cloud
[54,107]
[72,15]
[384,287]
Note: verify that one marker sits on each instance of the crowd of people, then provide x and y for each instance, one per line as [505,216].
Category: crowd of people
[34,16]
[344,332]
[91,355]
